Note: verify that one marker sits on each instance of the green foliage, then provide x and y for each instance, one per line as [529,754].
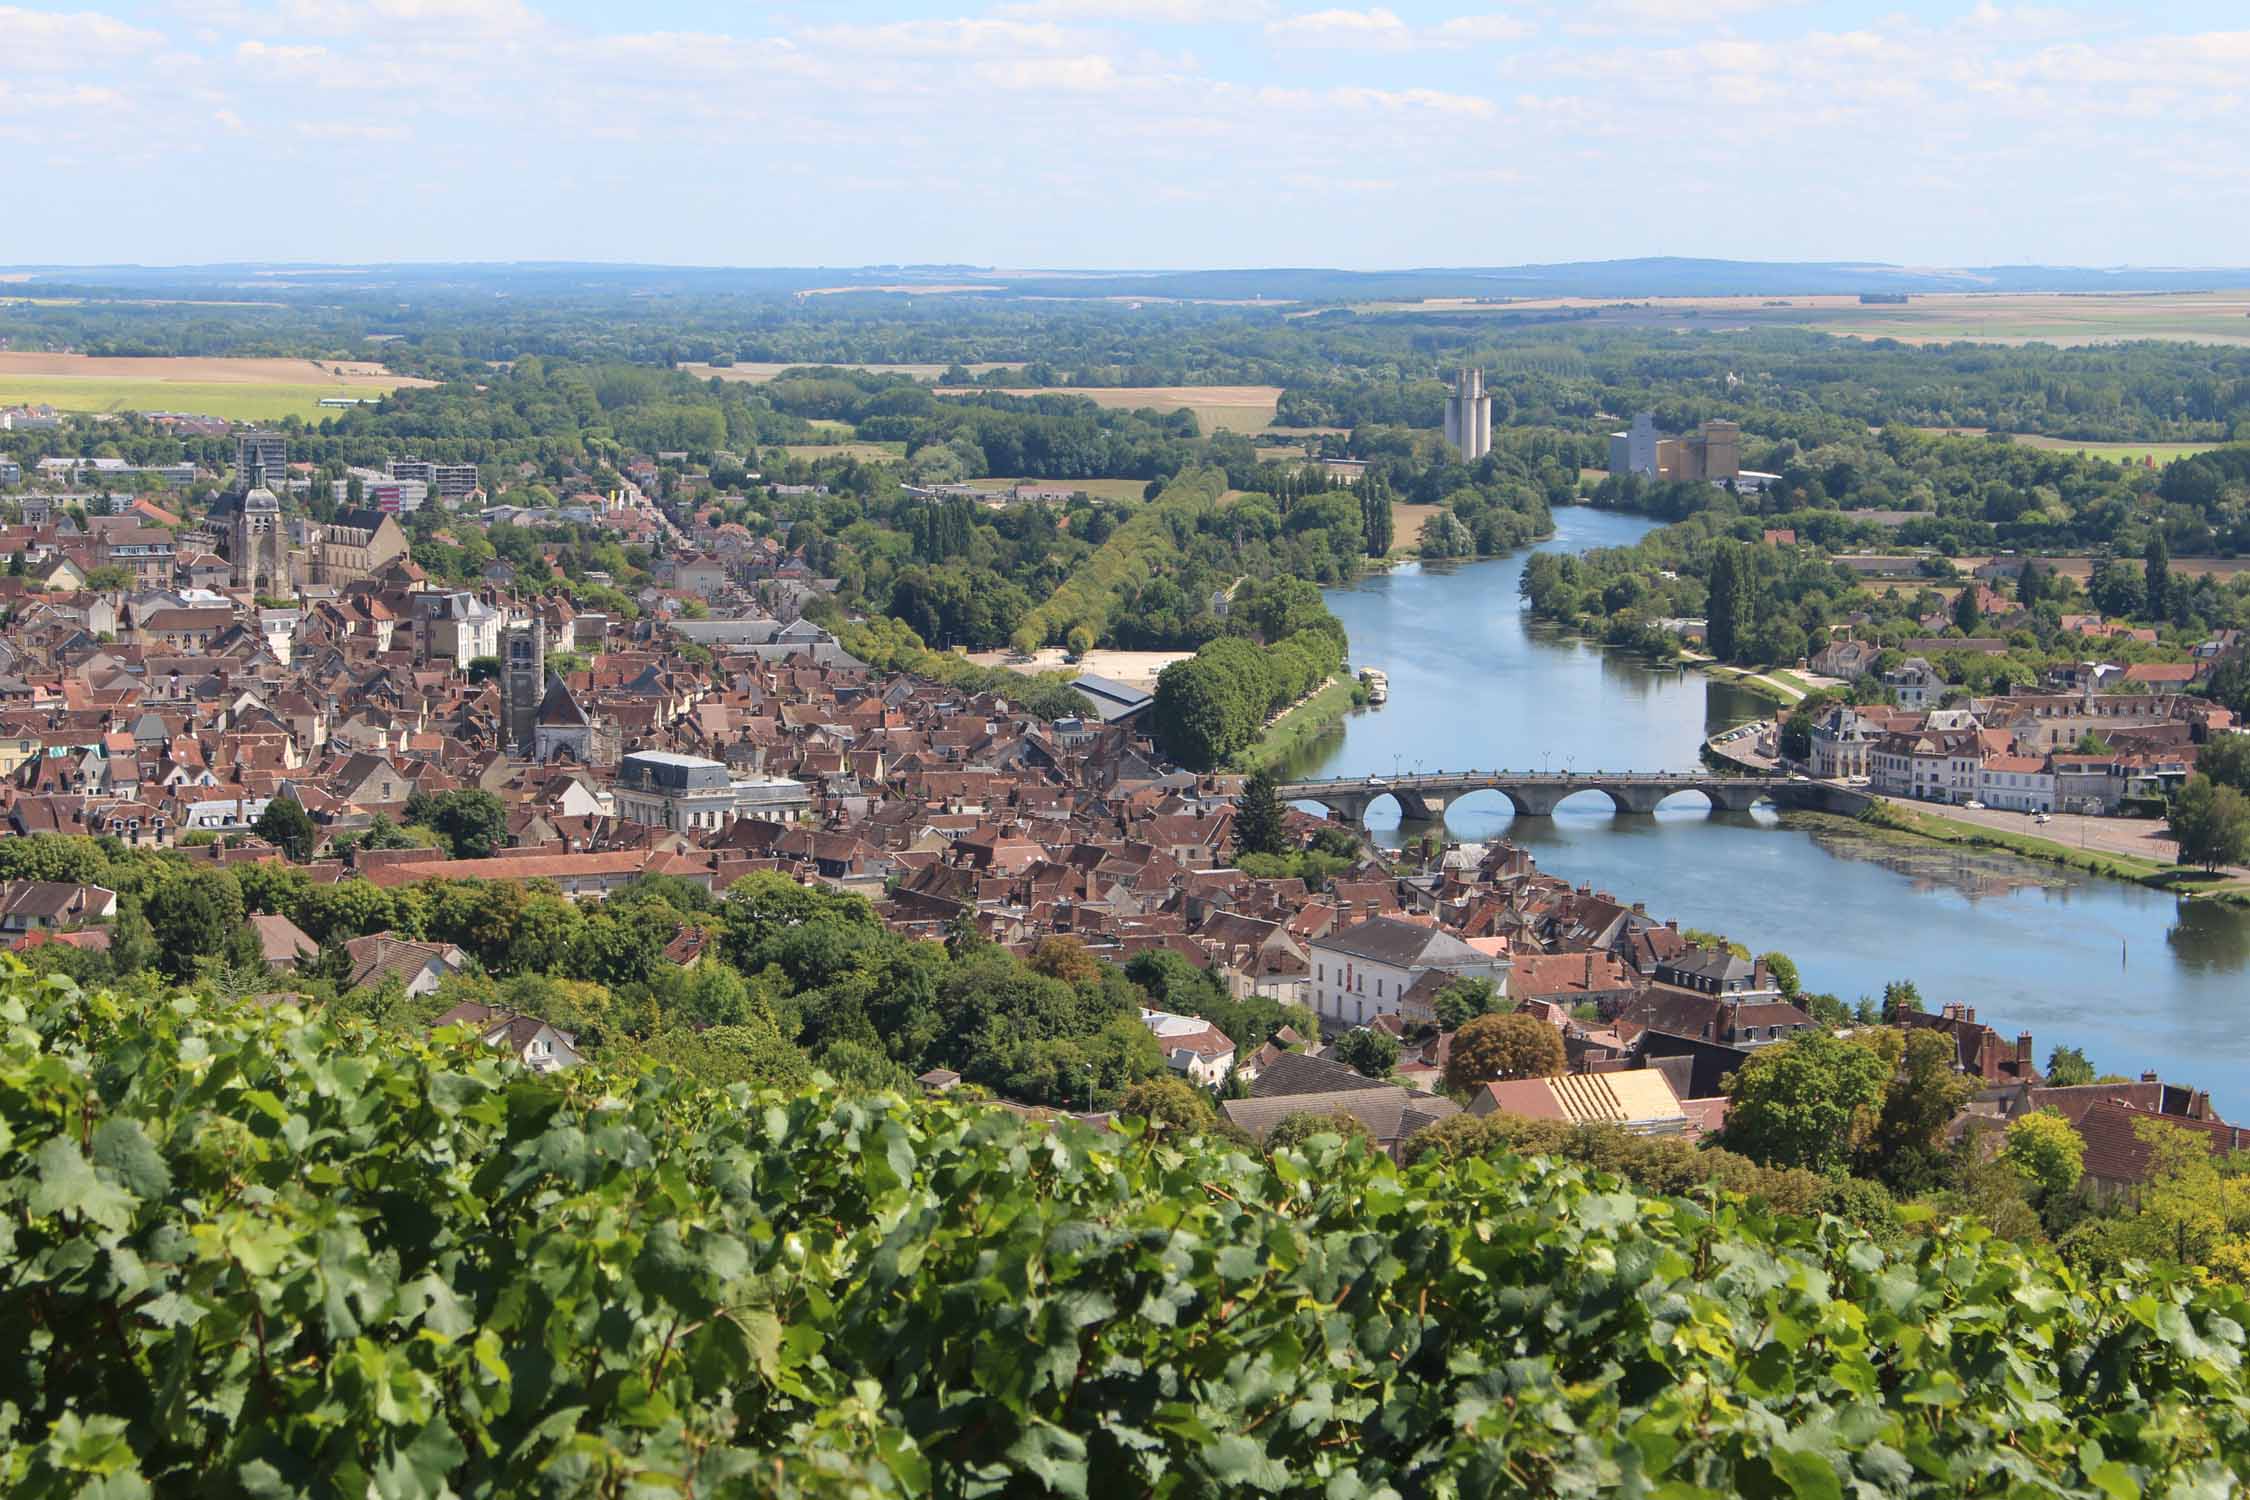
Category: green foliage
[2046,1150]
[1169,1101]
[1217,701]
[287,826]
[2068,1066]
[2212,823]
[1783,968]
[1463,1000]
[474,824]
[1807,1102]
[1258,817]
[1369,1053]
[329,1268]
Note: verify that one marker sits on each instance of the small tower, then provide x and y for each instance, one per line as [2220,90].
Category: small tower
[523,682]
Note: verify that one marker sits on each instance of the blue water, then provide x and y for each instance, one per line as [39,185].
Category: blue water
[2139,980]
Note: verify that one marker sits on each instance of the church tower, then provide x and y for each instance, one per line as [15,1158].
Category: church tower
[523,682]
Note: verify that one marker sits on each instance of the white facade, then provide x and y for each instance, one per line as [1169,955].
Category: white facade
[2016,783]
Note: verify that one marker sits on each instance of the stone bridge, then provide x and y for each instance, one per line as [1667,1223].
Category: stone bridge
[1534,794]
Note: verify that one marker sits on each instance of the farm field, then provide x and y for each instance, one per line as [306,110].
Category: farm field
[2123,452]
[1100,489]
[2131,453]
[863,452]
[244,390]
[2221,568]
[2214,317]
[1230,408]
[1406,526]
[759,374]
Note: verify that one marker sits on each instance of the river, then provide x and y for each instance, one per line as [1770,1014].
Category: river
[2137,979]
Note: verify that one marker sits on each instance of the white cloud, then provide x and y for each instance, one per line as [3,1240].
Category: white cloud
[1388,101]
[1489,28]
[1164,12]
[941,38]
[1377,28]
[1078,75]
[53,41]
[1381,30]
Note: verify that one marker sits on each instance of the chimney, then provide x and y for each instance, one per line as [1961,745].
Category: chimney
[1672,924]
[2148,1077]
[1640,908]
[1969,1013]
[2023,1049]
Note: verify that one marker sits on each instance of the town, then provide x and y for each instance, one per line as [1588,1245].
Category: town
[255,686]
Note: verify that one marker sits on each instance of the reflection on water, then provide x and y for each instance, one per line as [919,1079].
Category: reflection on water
[1933,867]
[2133,976]
[2210,939]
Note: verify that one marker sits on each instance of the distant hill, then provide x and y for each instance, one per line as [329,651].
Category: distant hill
[1651,276]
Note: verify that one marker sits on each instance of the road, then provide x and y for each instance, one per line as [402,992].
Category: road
[2143,838]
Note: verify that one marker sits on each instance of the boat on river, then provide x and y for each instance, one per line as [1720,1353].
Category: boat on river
[1378,684]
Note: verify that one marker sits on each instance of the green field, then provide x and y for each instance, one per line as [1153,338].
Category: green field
[2131,453]
[235,401]
[864,452]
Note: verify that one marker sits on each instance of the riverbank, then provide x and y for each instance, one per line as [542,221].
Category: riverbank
[1299,724]
[1889,818]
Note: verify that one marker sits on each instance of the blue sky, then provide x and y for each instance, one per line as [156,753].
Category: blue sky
[1125,133]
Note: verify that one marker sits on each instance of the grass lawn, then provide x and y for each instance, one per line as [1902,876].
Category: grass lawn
[237,401]
[1309,718]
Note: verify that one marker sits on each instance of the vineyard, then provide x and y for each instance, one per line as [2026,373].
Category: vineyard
[249,1252]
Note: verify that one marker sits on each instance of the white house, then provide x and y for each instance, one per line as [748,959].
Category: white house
[1365,970]
[1195,1049]
[2017,783]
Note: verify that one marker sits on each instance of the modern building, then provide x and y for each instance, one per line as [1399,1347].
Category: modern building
[261,460]
[445,481]
[1713,455]
[1468,416]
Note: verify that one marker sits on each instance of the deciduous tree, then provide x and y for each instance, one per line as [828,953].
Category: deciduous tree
[1491,1048]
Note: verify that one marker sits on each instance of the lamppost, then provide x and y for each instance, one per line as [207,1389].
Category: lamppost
[1089,1088]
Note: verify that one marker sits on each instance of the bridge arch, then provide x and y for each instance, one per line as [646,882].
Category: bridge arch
[1517,803]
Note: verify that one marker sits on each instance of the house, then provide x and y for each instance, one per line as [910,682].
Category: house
[1741,1023]
[2119,1158]
[1915,684]
[1717,971]
[1846,659]
[541,1048]
[2016,783]
[1978,1050]
[1193,1047]
[43,905]
[1366,969]
[284,942]
[1640,1101]
[420,967]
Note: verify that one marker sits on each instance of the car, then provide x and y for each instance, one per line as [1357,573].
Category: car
[1972,802]
[2041,818]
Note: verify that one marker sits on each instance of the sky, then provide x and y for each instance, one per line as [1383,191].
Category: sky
[1125,133]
